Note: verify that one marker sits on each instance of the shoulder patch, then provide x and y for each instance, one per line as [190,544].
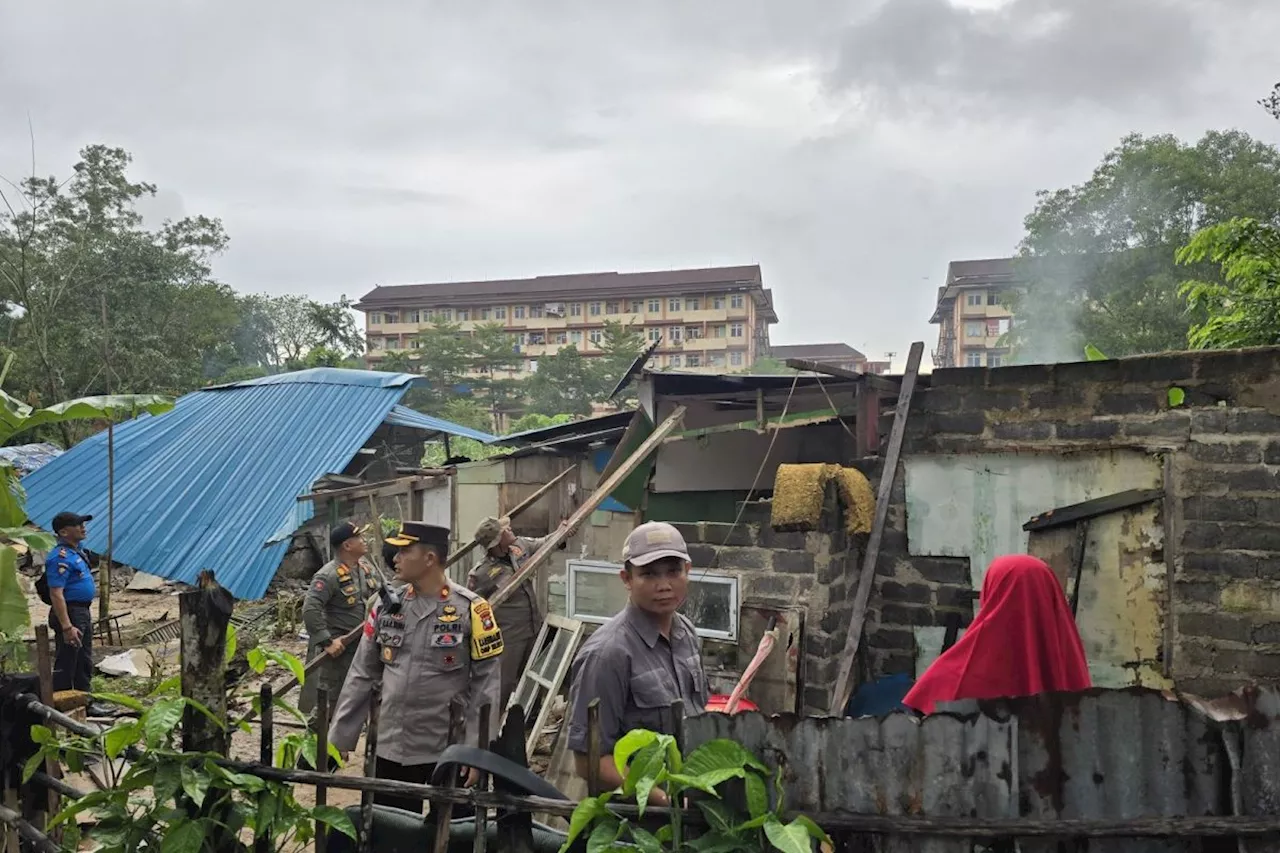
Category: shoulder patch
[486,636]
[318,586]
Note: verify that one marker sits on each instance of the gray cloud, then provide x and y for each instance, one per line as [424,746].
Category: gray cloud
[851,149]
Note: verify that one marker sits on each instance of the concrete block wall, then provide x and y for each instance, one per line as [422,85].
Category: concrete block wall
[1222,443]
[813,570]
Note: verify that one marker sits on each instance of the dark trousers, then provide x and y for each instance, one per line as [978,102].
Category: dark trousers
[419,774]
[72,666]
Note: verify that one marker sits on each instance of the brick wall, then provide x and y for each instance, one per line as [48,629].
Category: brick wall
[814,571]
[1223,444]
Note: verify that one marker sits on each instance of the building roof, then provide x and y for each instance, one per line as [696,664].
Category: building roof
[586,429]
[964,275]
[214,483]
[403,416]
[816,352]
[580,286]
[28,457]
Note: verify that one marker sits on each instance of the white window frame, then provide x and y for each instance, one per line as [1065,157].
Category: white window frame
[600,567]
[737,301]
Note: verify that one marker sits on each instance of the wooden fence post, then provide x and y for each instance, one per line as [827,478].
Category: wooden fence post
[322,763]
[444,811]
[204,615]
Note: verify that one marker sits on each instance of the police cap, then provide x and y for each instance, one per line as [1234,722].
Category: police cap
[343,532]
[413,532]
[69,519]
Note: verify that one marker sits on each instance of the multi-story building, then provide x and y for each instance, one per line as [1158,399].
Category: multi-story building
[713,320]
[836,355]
[971,314]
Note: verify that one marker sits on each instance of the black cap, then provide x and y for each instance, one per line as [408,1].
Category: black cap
[69,519]
[344,531]
[413,532]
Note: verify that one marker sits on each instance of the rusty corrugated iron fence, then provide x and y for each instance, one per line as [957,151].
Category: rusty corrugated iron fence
[1102,754]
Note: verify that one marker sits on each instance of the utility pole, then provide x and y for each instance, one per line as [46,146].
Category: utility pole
[104,574]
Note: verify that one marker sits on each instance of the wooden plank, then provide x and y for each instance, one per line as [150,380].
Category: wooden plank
[1170,568]
[204,615]
[870,380]
[443,812]
[1085,510]
[322,764]
[383,488]
[516,510]
[867,422]
[44,667]
[583,513]
[857,620]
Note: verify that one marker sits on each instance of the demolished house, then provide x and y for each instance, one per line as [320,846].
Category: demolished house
[238,477]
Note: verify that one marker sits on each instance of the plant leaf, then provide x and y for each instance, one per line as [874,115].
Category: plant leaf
[628,745]
[185,836]
[335,818]
[121,700]
[120,736]
[231,642]
[812,828]
[1177,396]
[161,719]
[1092,353]
[789,838]
[583,816]
[720,754]
[645,840]
[195,783]
[604,836]
[757,796]
[646,770]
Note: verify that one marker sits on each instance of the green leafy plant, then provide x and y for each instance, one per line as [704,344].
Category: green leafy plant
[647,760]
[183,802]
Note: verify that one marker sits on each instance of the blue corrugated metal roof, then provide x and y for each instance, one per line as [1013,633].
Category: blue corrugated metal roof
[405,417]
[213,484]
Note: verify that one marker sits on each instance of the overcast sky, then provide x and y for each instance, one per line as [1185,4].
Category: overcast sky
[850,148]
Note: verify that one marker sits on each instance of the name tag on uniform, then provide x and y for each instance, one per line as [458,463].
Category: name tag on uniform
[396,621]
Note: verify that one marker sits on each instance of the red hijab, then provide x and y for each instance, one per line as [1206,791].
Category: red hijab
[1022,642]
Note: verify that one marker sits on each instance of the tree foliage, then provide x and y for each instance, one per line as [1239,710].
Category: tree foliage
[1271,103]
[564,383]
[620,345]
[1242,307]
[1100,255]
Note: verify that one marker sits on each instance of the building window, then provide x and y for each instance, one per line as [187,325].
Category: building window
[464,314]
[429,314]
[483,314]
[414,343]
[500,313]
[716,359]
[692,303]
[974,299]
[637,306]
[446,314]
[535,311]
[562,338]
[1002,326]
[973,329]
[532,364]
[520,338]
[375,344]
[675,361]
[575,337]
[655,334]
[973,359]
[736,330]
[735,358]
[993,297]
[413,317]
[537,339]
[655,306]
[393,343]
[717,331]
[594,595]
[694,360]
[995,359]
[736,301]
[575,309]
[673,304]
[611,308]
[595,335]
[390,317]
[594,309]
[677,334]
[692,333]
[518,312]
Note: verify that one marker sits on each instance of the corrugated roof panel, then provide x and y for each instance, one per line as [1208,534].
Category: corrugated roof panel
[403,416]
[213,484]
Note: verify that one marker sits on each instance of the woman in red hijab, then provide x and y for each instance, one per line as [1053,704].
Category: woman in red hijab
[1022,642]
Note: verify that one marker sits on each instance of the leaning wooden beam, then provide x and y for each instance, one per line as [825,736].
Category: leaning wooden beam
[514,511]
[879,383]
[858,618]
[583,512]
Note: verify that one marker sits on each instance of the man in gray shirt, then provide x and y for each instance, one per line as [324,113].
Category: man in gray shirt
[642,660]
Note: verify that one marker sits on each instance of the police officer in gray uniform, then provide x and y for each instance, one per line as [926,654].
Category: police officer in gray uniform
[334,607]
[519,615]
[642,660]
[443,642]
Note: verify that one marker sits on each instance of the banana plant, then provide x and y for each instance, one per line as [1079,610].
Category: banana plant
[16,418]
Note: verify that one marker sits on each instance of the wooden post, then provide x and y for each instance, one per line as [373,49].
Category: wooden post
[104,573]
[482,783]
[266,753]
[862,596]
[370,769]
[515,826]
[44,669]
[322,763]
[457,722]
[203,616]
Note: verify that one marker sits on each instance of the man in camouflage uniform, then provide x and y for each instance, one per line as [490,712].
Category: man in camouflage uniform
[334,607]
[520,616]
[442,642]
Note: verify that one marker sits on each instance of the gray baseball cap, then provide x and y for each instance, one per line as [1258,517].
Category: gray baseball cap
[653,541]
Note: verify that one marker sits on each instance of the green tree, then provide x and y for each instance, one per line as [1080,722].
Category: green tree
[534,421]
[1271,103]
[620,346]
[1100,255]
[1242,309]
[70,248]
[492,360]
[563,383]
[767,366]
[468,412]
[443,357]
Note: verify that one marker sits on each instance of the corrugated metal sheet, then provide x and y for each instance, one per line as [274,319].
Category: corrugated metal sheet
[28,457]
[1103,754]
[403,416]
[213,484]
